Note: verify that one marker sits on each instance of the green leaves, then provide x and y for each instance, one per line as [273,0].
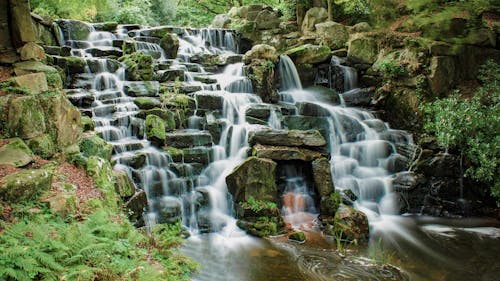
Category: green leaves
[472,126]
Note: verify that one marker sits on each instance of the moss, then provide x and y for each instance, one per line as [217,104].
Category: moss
[147,103]
[100,170]
[176,154]
[42,146]
[139,67]
[26,185]
[110,26]
[155,129]
[88,123]
[54,80]
[95,146]
[298,236]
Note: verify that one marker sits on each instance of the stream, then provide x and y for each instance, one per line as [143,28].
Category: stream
[364,150]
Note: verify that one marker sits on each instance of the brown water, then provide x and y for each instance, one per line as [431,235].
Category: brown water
[422,248]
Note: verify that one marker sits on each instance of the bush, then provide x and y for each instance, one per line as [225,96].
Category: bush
[391,69]
[471,126]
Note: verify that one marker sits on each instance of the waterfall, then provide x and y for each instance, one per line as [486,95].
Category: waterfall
[290,79]
[348,76]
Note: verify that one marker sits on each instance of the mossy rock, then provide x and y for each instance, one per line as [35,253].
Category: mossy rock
[26,118]
[147,103]
[95,146]
[170,43]
[349,224]
[88,124]
[297,236]
[64,201]
[308,53]
[75,29]
[129,47]
[263,226]
[25,185]
[138,67]
[329,204]
[109,26]
[42,146]
[363,49]
[102,173]
[124,185]
[176,154]
[155,130]
[167,116]
[15,153]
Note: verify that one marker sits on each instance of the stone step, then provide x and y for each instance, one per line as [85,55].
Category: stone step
[188,139]
[142,88]
[104,51]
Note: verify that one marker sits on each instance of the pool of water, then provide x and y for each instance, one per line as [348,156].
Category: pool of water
[400,248]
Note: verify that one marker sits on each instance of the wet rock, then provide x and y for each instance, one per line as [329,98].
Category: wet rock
[105,52]
[441,165]
[350,224]
[348,197]
[81,99]
[136,206]
[310,54]
[310,138]
[187,139]
[75,29]
[170,210]
[260,218]
[25,185]
[138,67]
[210,101]
[93,145]
[124,185]
[88,124]
[298,122]
[147,103]
[358,97]
[254,178]
[322,176]
[259,111]
[297,236]
[284,153]
[313,16]
[142,89]
[312,109]
[202,155]
[42,146]
[155,130]
[170,43]
[16,153]
[170,75]
[71,65]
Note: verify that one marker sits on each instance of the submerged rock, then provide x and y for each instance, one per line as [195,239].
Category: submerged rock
[349,224]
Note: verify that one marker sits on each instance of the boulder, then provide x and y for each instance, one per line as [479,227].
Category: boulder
[64,201]
[310,54]
[349,224]
[169,210]
[147,103]
[443,75]
[267,19]
[93,145]
[187,139]
[136,206]
[35,83]
[202,155]
[15,153]
[221,21]
[284,153]
[169,75]
[22,30]
[32,51]
[362,49]
[333,35]
[310,138]
[313,16]
[142,88]
[105,52]
[25,185]
[155,130]
[75,29]
[322,176]
[42,146]
[88,124]
[124,186]
[170,43]
[72,65]
[261,52]
[138,67]
[26,118]
[167,116]
[209,101]
[358,97]
[261,74]
[260,218]
[254,178]
[102,173]
[298,236]
[361,27]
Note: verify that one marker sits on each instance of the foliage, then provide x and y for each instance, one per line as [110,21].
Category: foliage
[391,69]
[472,126]
[103,247]
[258,205]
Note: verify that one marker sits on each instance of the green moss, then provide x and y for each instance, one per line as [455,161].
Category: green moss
[139,66]
[54,80]
[298,236]
[88,123]
[26,185]
[155,129]
[95,146]
[10,87]
[176,154]
[42,146]
[102,173]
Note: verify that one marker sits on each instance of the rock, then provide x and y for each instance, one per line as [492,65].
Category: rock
[170,75]
[350,224]
[333,35]
[358,97]
[267,19]
[310,54]
[361,27]
[203,155]
[75,29]
[167,116]
[102,173]
[124,185]
[63,120]
[254,178]
[64,201]
[138,67]
[93,145]
[329,204]
[142,88]
[221,21]
[105,52]
[170,43]
[310,138]
[297,236]
[35,83]
[161,31]
[362,49]
[261,52]
[28,67]
[32,51]
[88,124]
[26,118]
[298,122]
[312,109]
[155,130]
[147,102]
[109,26]
[42,146]
[260,218]
[262,75]
[170,210]
[187,139]
[209,101]
[284,153]
[71,65]
[26,185]
[313,16]
[22,30]
[15,153]
[136,206]
[441,165]
[225,59]
[322,176]
[443,74]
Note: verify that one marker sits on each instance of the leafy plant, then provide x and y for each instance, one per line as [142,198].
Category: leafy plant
[258,205]
[391,69]
[471,126]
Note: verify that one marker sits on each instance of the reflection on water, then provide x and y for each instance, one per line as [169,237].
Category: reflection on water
[424,248]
